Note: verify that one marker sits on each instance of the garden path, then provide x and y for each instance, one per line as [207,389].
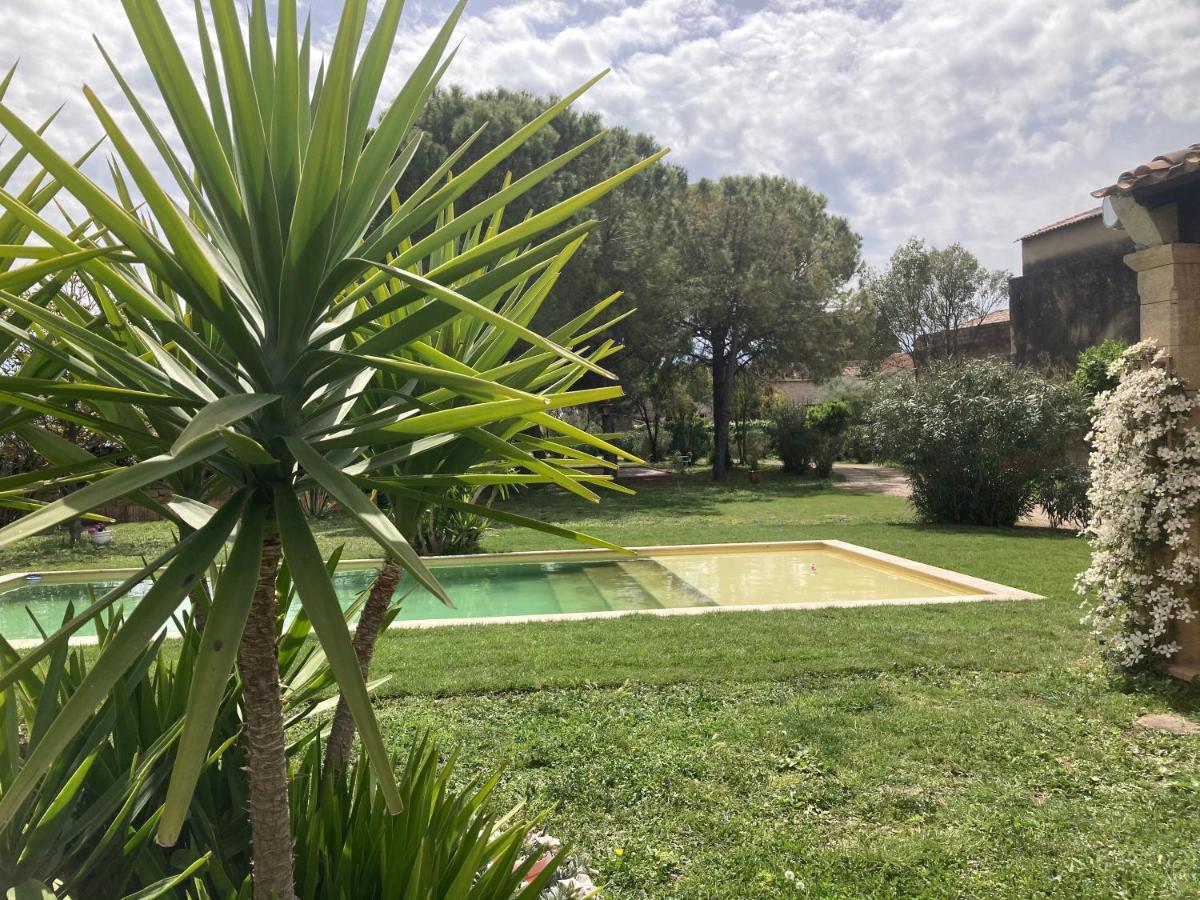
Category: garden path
[871,478]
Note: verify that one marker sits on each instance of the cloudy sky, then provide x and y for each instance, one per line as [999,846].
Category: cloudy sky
[956,120]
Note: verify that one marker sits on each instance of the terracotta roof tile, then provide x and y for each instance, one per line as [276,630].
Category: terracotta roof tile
[992,318]
[1062,223]
[897,362]
[1162,168]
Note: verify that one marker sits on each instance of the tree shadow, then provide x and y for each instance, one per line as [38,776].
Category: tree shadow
[1017,531]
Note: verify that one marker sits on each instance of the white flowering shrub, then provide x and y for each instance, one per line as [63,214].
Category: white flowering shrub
[1145,493]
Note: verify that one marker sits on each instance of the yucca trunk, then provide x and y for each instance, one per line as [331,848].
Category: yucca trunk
[258,663]
[366,633]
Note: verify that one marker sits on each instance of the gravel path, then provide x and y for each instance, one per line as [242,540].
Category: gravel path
[869,478]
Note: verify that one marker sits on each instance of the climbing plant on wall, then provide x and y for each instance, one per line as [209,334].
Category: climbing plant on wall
[1145,494]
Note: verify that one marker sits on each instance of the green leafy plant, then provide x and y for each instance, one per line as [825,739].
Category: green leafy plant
[826,424]
[689,436]
[1062,493]
[793,440]
[226,343]
[1093,371]
[88,829]
[449,842]
[975,436]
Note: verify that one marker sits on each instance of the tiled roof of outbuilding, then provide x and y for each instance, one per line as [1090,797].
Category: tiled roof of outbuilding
[1062,223]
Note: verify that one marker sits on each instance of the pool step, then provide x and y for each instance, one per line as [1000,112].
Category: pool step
[619,590]
[671,590]
[576,592]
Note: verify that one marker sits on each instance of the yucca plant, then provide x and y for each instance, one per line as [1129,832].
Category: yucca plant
[219,349]
[448,844]
[418,488]
[88,830]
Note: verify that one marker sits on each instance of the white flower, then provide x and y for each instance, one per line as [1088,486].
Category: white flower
[1145,495]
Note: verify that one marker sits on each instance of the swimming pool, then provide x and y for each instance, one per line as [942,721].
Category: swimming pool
[574,583]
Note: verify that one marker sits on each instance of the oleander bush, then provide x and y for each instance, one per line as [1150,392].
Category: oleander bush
[1062,494]
[793,439]
[826,423]
[974,437]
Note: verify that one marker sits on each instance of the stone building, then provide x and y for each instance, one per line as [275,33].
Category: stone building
[1074,291]
[987,337]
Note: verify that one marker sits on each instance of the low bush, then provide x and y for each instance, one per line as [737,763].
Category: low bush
[1092,375]
[691,437]
[826,424]
[975,436]
[1062,493]
[793,441]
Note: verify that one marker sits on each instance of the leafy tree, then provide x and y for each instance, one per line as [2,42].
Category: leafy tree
[758,275]
[626,253]
[231,341]
[925,296]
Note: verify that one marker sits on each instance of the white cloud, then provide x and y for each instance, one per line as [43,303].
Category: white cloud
[969,121]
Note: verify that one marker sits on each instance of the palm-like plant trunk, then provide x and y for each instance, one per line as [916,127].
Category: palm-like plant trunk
[366,633]
[258,663]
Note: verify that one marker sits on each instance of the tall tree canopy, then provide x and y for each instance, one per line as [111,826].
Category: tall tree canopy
[627,249]
[759,271]
[926,295]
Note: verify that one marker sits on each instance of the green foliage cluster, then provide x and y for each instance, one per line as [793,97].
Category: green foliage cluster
[1062,493]
[792,439]
[1091,375]
[89,830]
[810,437]
[975,436]
[690,436]
[826,423]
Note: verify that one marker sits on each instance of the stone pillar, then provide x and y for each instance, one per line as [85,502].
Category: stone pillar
[1169,285]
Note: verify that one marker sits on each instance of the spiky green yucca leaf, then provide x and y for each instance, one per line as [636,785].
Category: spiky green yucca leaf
[237,313]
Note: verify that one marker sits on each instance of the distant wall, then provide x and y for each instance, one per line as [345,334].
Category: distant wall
[1059,310]
[1084,239]
[991,340]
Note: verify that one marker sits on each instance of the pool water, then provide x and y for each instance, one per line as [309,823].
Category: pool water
[489,589]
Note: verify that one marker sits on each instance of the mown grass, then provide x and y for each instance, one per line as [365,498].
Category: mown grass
[946,751]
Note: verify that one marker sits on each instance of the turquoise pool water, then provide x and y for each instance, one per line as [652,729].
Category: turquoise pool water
[555,586]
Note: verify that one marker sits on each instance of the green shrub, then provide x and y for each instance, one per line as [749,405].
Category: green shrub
[974,437]
[743,434]
[826,423]
[755,448]
[793,441]
[1062,493]
[857,445]
[690,436]
[1091,372]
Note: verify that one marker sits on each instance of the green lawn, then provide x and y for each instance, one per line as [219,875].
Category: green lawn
[945,751]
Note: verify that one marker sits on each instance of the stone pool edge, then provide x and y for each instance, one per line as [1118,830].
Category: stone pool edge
[987,590]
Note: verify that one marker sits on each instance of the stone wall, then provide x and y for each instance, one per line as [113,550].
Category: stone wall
[1058,311]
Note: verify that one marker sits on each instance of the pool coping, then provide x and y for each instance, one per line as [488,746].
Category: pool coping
[986,590]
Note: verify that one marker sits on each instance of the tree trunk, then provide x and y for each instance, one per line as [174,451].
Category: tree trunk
[258,663]
[366,632]
[721,393]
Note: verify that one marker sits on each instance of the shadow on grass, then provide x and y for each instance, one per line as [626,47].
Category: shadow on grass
[1020,531]
[1179,696]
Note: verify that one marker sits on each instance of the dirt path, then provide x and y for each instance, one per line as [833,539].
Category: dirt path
[869,478]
